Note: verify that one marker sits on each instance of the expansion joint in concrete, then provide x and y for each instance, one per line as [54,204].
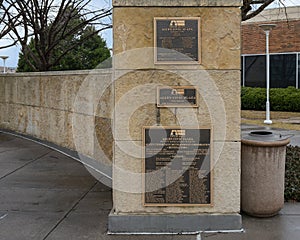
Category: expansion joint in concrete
[24,165]
[69,211]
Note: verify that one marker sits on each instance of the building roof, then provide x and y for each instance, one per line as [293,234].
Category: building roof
[276,14]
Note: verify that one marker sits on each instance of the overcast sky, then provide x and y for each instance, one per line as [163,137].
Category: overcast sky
[13,52]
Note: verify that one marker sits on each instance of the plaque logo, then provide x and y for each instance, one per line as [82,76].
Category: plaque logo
[177,132]
[177,23]
[177,91]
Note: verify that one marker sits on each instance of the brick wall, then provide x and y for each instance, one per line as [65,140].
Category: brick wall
[285,37]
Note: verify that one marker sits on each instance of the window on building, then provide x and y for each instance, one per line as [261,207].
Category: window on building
[242,72]
[282,70]
[255,71]
[298,72]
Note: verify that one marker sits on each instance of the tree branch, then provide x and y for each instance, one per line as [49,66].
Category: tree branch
[50,23]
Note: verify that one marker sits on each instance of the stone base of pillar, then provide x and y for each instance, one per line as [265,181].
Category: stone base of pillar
[173,223]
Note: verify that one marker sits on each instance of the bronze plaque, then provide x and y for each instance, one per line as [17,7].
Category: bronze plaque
[177,96]
[177,166]
[177,40]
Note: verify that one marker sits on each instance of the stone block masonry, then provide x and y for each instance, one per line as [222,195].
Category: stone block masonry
[217,80]
[101,113]
[60,108]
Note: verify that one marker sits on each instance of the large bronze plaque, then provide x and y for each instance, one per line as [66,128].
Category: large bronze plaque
[177,40]
[177,166]
[177,96]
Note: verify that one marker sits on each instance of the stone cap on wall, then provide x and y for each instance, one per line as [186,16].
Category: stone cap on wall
[177,3]
[103,71]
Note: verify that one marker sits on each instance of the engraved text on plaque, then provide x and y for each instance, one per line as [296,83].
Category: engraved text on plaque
[177,40]
[177,163]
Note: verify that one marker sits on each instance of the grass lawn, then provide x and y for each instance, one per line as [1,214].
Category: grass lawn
[284,120]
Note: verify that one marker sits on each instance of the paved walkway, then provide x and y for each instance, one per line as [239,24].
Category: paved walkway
[45,195]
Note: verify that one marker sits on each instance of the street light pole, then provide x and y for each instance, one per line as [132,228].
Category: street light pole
[267,29]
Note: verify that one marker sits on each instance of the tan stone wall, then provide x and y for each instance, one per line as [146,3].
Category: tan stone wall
[217,79]
[180,3]
[220,35]
[64,108]
[219,108]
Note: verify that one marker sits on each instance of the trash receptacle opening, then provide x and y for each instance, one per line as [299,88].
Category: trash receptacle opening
[261,133]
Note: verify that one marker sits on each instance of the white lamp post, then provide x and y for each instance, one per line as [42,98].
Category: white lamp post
[267,28]
[4,60]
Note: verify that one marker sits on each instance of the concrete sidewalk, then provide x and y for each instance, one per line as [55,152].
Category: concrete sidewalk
[46,195]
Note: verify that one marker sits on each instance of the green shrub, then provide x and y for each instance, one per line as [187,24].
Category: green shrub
[292,174]
[281,99]
[253,98]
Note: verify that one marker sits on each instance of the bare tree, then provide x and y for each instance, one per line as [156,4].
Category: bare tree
[48,23]
[251,8]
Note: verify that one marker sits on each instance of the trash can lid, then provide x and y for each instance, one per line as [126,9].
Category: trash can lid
[264,136]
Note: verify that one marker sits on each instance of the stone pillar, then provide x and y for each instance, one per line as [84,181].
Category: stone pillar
[214,73]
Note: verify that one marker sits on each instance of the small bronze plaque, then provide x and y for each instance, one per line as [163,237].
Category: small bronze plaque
[177,166]
[177,40]
[177,96]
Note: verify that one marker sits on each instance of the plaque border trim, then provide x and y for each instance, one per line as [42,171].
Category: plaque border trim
[177,106]
[156,62]
[211,204]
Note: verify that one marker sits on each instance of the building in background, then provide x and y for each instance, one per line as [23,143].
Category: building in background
[7,69]
[284,49]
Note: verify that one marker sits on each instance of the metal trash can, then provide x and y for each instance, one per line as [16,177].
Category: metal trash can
[263,170]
